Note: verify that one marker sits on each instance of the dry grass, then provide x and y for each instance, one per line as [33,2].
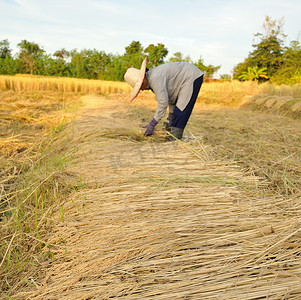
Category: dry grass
[219,93]
[26,121]
[60,84]
[281,105]
[32,180]
[233,93]
[266,144]
[26,116]
[148,219]
[165,220]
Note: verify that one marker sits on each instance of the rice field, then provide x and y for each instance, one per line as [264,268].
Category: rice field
[27,83]
[228,91]
[104,212]
[286,99]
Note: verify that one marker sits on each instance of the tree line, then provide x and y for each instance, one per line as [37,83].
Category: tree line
[86,63]
[269,61]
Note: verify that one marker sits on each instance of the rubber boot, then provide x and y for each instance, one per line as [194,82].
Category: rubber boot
[177,133]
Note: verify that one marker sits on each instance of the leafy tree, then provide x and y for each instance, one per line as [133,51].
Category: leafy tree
[208,70]
[268,53]
[9,66]
[102,63]
[178,56]
[5,49]
[49,66]
[115,68]
[296,78]
[77,64]
[86,63]
[91,63]
[28,57]
[290,66]
[155,54]
[134,54]
[272,28]
[62,54]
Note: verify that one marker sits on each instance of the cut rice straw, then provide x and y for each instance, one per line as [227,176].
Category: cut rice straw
[30,194]
[160,221]
[8,247]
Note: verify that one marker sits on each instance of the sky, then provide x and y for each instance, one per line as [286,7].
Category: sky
[219,31]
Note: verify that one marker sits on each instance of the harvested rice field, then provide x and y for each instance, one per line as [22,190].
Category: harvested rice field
[216,216]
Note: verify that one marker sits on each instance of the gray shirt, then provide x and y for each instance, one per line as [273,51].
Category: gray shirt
[172,84]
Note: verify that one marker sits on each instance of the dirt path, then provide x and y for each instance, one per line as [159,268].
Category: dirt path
[164,221]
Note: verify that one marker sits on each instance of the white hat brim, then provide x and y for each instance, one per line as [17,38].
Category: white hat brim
[138,84]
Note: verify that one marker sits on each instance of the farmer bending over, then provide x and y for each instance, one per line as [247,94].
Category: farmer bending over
[175,85]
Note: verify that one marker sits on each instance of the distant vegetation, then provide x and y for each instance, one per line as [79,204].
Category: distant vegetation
[87,63]
[269,61]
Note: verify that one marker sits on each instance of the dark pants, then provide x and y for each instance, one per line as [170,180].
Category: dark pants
[180,118]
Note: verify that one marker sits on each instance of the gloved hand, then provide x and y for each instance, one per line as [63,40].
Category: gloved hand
[169,118]
[169,124]
[150,127]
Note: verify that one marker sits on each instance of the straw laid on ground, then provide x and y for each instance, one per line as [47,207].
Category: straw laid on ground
[285,105]
[166,221]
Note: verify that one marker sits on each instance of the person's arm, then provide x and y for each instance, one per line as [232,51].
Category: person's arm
[171,108]
[162,99]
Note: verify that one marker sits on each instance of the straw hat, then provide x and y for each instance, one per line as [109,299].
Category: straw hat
[134,77]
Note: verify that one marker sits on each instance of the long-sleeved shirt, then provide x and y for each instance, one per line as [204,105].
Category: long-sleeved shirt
[172,84]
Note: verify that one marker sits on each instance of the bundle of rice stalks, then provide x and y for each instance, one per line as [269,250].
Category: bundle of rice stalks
[283,105]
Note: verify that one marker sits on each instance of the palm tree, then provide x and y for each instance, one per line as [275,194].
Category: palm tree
[254,74]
